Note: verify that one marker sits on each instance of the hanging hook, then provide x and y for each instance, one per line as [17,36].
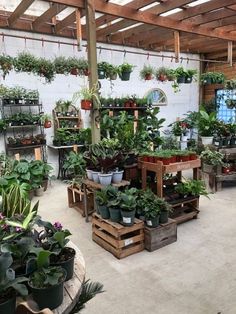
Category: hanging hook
[100,50]
[124,53]
[3,37]
[148,55]
[187,60]
[25,41]
[59,45]
[172,58]
[181,60]
[42,42]
[162,57]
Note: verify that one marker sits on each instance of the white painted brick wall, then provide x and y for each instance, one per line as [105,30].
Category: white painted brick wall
[65,86]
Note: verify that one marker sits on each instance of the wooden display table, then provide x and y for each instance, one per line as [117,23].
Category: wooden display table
[181,212]
[72,287]
[93,186]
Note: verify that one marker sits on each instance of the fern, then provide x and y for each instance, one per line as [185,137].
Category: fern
[89,291]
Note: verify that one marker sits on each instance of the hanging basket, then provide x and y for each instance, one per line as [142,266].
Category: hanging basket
[181,79]
[86,104]
[231,103]
[101,74]
[86,72]
[188,79]
[74,71]
[125,76]
[162,78]
[47,124]
[148,77]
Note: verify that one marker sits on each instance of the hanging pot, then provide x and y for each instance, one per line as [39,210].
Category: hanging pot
[188,80]
[113,77]
[86,72]
[207,81]
[125,76]
[162,77]
[47,124]
[181,79]
[74,71]
[86,104]
[148,77]
[101,74]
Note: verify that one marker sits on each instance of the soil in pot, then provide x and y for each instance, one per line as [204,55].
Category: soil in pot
[8,302]
[117,176]
[104,212]
[164,217]
[105,178]
[50,297]
[66,260]
[153,222]
[127,217]
[115,215]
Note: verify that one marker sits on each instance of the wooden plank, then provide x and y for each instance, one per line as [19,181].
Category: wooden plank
[106,237]
[78,29]
[20,9]
[230,53]
[177,46]
[186,217]
[226,177]
[37,153]
[48,15]
[67,21]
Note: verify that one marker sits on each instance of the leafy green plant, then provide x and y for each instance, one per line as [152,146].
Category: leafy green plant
[26,62]
[162,74]
[101,197]
[206,123]
[90,94]
[192,187]
[146,72]
[213,158]
[61,65]
[128,199]
[46,69]
[230,84]
[212,78]
[6,65]
[111,71]
[75,164]
[125,67]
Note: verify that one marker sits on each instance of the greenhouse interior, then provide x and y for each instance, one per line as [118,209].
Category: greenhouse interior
[117,156]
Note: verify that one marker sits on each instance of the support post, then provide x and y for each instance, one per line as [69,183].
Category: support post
[92,59]
[230,53]
[177,46]
[78,29]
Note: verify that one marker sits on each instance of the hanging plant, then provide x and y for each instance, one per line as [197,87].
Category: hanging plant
[162,74]
[102,68]
[25,62]
[212,78]
[61,65]
[45,68]
[230,84]
[6,64]
[83,67]
[125,70]
[147,72]
[111,72]
[231,103]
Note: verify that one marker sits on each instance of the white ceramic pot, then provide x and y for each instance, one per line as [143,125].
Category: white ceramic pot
[184,138]
[89,174]
[105,178]
[207,140]
[117,176]
[39,191]
[178,138]
[95,176]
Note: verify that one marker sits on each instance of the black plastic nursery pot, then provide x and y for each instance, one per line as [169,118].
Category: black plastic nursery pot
[50,297]
[164,217]
[101,74]
[127,217]
[153,222]
[233,141]
[207,81]
[181,79]
[125,76]
[115,214]
[104,212]
[67,264]
[188,80]
[9,306]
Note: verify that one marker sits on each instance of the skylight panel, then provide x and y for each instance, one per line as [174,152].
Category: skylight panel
[171,12]
[193,4]
[149,6]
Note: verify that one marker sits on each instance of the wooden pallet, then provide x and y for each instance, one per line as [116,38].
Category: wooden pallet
[76,200]
[164,234]
[117,239]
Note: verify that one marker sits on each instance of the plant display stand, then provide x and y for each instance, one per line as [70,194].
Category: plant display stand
[181,212]
[164,234]
[70,120]
[93,186]
[76,200]
[117,239]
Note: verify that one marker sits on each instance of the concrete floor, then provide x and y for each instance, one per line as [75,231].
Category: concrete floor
[196,274]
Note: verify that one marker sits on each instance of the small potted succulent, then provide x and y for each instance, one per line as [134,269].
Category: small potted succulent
[124,71]
[128,200]
[9,285]
[147,72]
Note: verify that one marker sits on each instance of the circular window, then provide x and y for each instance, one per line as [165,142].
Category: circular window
[157,97]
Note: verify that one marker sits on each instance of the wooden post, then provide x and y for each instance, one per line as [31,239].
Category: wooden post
[230,53]
[92,59]
[78,29]
[177,46]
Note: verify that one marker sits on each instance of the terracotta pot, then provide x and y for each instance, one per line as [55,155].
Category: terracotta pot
[192,156]
[127,104]
[226,170]
[162,77]
[165,161]
[148,77]
[151,159]
[47,124]
[74,71]
[86,104]
[145,158]
[86,72]
[173,160]
[184,158]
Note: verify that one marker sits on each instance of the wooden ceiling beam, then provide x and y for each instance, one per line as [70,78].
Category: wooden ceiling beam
[212,16]
[20,9]
[48,15]
[67,21]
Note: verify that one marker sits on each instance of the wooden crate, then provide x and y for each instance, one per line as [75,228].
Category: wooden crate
[164,234]
[76,200]
[117,239]
[185,209]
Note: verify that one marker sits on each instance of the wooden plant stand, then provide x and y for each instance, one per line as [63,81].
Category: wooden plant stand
[76,200]
[181,212]
[164,234]
[117,239]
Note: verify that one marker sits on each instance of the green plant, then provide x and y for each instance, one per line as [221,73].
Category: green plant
[213,158]
[3,125]
[206,123]
[75,164]
[128,199]
[6,64]
[25,62]
[176,128]
[180,72]
[162,74]
[111,71]
[101,197]
[212,78]
[61,65]
[147,71]
[230,84]
[125,67]
[90,94]
[46,69]
[7,281]
[192,187]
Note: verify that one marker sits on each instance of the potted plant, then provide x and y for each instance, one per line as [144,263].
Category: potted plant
[124,71]
[31,97]
[6,65]
[181,75]
[128,200]
[46,119]
[47,282]
[117,175]
[55,239]
[165,208]
[176,129]
[212,78]
[46,69]
[190,74]
[111,72]
[206,126]
[191,188]
[102,67]
[101,202]
[230,84]
[211,160]
[226,168]
[25,62]
[162,74]
[164,156]
[61,65]
[9,285]
[89,98]
[147,72]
